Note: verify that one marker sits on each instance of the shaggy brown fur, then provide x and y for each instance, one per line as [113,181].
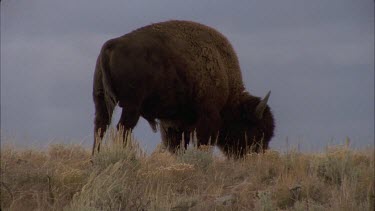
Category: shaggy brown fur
[187,76]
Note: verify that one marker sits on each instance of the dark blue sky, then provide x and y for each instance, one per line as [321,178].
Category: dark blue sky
[317,57]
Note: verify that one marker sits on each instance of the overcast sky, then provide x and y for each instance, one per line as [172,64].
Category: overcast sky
[317,57]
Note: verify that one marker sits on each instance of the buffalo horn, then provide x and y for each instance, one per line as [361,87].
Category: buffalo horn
[259,110]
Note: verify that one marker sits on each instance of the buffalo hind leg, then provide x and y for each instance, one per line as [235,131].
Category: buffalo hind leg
[101,122]
[128,120]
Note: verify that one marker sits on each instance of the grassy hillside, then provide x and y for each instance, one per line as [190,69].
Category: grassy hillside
[64,178]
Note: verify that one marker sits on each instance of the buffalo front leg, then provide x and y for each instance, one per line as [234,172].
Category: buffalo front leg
[207,128]
[231,149]
[175,138]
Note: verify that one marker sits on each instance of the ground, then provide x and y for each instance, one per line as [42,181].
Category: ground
[64,177]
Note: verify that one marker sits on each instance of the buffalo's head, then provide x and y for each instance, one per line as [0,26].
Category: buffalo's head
[248,126]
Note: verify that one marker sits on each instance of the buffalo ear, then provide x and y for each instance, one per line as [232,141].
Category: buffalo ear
[259,110]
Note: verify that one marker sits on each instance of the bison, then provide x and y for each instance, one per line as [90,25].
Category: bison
[187,77]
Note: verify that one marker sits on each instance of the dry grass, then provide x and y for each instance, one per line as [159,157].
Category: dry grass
[63,178]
